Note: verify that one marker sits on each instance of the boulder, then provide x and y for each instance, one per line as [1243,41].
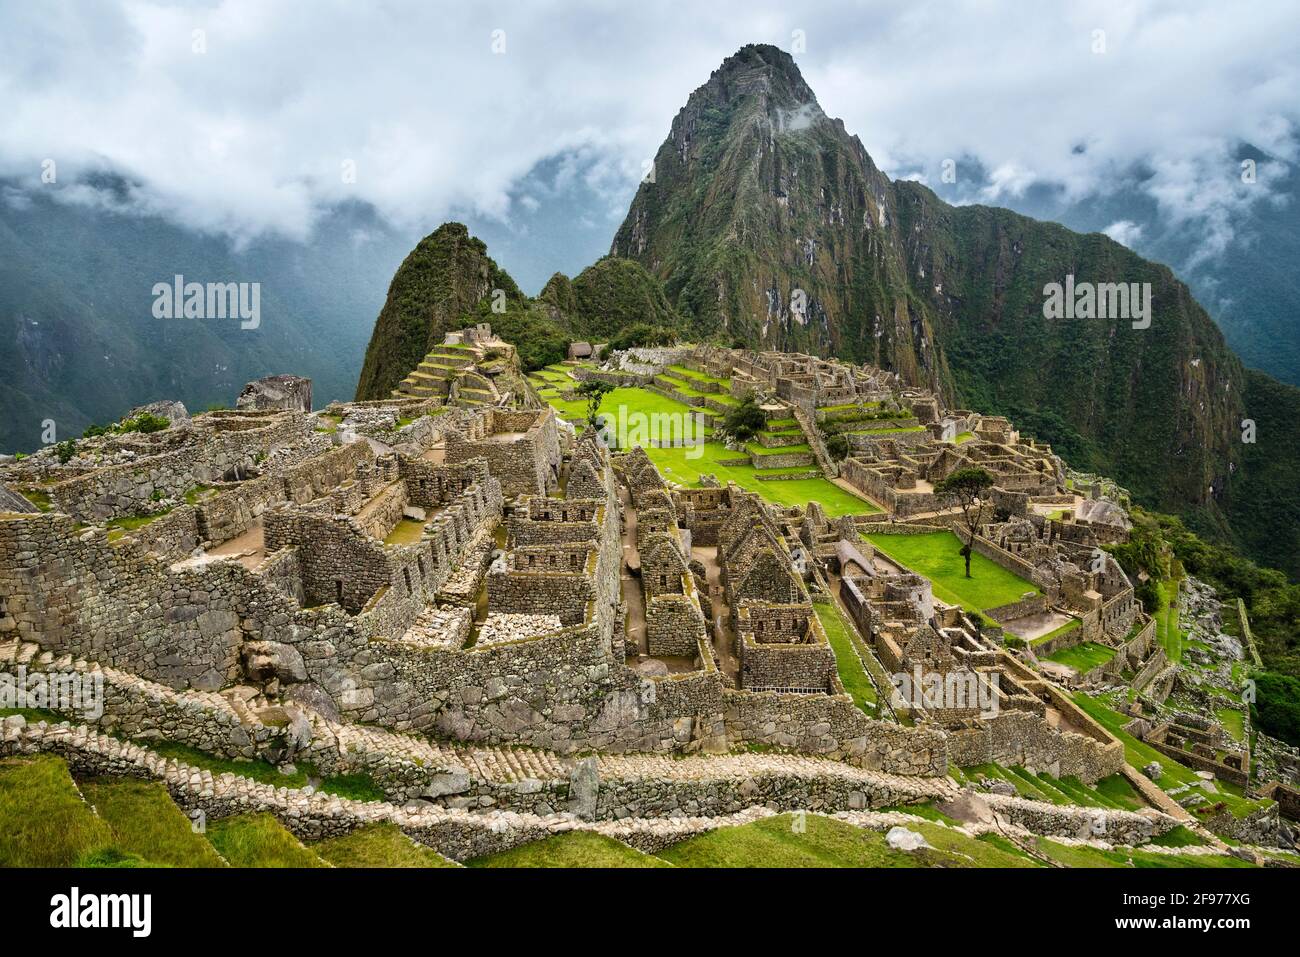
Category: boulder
[902,839]
[276,392]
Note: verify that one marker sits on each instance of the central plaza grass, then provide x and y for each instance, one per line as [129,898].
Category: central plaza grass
[685,465]
[676,466]
[937,556]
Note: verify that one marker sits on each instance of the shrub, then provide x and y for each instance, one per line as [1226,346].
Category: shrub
[745,420]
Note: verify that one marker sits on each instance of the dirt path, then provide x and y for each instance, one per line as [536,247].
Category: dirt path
[724,639]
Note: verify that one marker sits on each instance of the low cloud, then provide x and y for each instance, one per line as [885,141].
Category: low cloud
[244,118]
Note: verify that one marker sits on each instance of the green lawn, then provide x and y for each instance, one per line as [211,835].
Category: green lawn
[852,675]
[571,849]
[936,555]
[406,532]
[378,845]
[674,465]
[1232,722]
[1070,625]
[1083,658]
[145,821]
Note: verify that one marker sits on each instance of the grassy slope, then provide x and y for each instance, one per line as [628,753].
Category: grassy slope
[43,820]
[572,849]
[259,840]
[378,845]
[852,673]
[773,842]
[144,821]
[685,465]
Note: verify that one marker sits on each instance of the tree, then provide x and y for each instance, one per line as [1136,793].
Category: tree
[594,391]
[966,488]
[745,420]
[838,447]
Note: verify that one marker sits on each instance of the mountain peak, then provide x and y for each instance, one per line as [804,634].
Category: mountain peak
[761,69]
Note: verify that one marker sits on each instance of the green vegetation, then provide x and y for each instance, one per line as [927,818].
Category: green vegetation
[966,488]
[745,420]
[676,466]
[259,840]
[937,556]
[378,845]
[1070,625]
[1139,754]
[43,820]
[1079,856]
[358,787]
[1084,657]
[145,822]
[1163,547]
[851,671]
[640,335]
[593,392]
[570,849]
[824,842]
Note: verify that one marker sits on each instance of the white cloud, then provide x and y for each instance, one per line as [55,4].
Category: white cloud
[1124,231]
[250,136]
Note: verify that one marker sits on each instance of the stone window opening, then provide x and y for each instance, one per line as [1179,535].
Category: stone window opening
[406,573]
[338,590]
[419,561]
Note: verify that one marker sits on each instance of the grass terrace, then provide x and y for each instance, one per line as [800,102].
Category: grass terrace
[788,840]
[1167,631]
[259,840]
[853,674]
[378,845]
[1070,625]
[571,849]
[1139,754]
[1083,658]
[937,556]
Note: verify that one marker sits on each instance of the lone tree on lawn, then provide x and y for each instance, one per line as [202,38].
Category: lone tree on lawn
[594,391]
[966,487]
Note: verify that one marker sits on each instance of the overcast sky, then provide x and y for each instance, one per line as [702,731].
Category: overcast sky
[244,128]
